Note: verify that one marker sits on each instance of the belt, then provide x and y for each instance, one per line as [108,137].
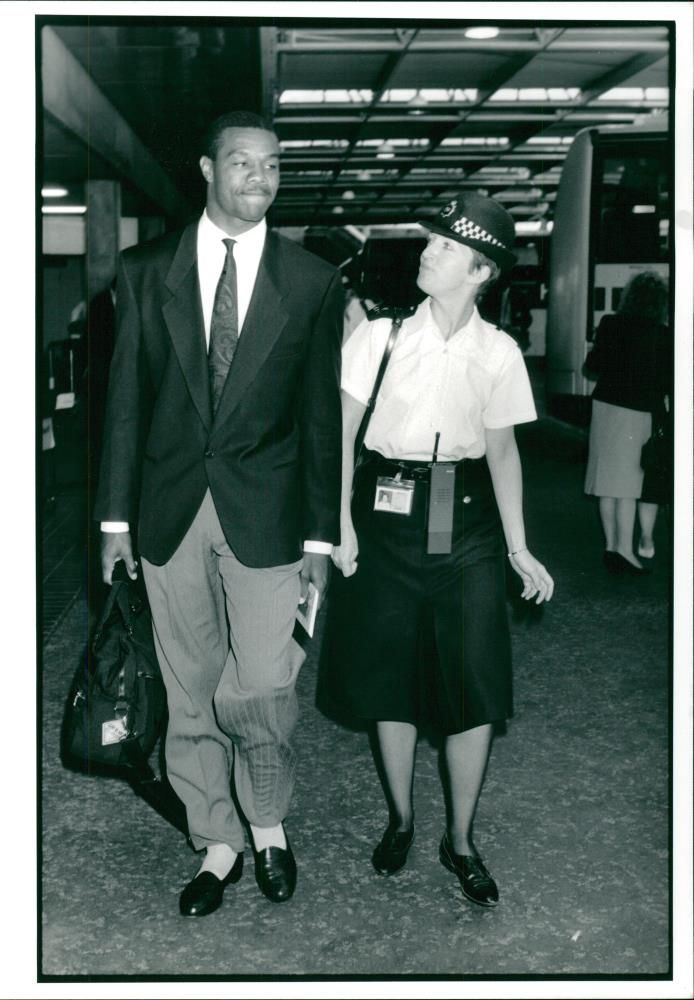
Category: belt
[413,470]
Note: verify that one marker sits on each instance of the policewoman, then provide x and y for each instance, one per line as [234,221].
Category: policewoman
[417,626]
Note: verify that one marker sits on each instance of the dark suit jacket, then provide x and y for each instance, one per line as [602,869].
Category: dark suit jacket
[272,454]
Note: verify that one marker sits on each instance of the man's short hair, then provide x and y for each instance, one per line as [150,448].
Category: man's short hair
[479,260]
[232,119]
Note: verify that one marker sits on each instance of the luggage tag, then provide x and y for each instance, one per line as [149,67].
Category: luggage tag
[113,731]
[394,494]
[441,497]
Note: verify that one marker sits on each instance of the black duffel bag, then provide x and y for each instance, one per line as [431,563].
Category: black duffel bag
[116,709]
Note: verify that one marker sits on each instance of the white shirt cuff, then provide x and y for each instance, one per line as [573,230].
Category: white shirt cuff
[111,527]
[324,548]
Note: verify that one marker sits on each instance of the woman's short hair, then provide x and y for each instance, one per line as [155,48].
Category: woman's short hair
[232,119]
[645,295]
[480,260]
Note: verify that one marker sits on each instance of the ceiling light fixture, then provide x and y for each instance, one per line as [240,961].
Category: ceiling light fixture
[64,209]
[482,32]
[53,192]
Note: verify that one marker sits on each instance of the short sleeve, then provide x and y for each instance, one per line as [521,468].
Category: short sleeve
[361,355]
[511,399]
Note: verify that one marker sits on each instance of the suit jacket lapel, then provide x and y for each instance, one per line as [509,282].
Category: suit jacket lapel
[183,316]
[265,320]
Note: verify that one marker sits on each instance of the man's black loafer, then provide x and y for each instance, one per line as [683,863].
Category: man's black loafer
[204,894]
[477,884]
[275,873]
[391,853]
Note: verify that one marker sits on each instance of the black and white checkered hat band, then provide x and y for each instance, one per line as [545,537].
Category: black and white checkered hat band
[471,231]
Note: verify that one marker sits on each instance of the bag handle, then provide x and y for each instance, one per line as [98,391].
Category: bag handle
[398,318]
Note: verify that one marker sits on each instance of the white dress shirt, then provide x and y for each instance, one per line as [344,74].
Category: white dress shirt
[458,387]
[211,254]
[248,250]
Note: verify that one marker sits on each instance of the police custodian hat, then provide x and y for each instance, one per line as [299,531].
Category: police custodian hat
[480,223]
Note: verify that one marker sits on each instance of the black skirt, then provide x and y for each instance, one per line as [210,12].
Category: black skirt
[420,638]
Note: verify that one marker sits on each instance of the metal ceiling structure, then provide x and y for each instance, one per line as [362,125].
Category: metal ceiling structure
[379,123]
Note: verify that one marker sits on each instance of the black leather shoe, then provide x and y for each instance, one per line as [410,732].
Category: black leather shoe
[611,561]
[477,884]
[391,853]
[204,894]
[275,873]
[619,566]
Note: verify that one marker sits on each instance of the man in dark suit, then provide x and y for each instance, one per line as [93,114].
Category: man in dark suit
[223,445]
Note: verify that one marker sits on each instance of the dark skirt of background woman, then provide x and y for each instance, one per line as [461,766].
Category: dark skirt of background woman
[420,638]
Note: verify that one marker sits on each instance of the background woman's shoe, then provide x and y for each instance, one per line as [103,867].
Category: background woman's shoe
[391,853]
[204,893]
[477,884]
[629,567]
[612,563]
[619,566]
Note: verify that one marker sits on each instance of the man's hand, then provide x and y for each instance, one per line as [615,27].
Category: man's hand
[316,570]
[116,545]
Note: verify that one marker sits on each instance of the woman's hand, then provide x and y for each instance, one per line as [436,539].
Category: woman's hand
[345,554]
[537,582]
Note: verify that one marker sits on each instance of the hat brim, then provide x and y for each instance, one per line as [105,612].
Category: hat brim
[500,255]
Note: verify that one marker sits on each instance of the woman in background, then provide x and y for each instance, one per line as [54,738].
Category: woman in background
[631,362]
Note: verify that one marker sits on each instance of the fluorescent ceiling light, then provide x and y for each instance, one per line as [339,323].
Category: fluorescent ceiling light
[537,94]
[481,32]
[531,227]
[53,192]
[351,96]
[64,209]
[643,210]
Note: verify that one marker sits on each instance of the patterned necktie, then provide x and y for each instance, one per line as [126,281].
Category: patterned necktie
[224,327]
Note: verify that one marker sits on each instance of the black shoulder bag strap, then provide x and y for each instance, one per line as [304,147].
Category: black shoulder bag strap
[361,433]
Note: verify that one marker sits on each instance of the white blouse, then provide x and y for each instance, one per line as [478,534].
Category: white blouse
[475,380]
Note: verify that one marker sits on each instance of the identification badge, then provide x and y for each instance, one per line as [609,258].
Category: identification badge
[113,731]
[441,494]
[394,495]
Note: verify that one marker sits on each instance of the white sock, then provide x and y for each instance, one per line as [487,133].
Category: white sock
[269,836]
[219,859]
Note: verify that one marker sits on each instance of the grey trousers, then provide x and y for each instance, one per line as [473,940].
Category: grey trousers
[223,635]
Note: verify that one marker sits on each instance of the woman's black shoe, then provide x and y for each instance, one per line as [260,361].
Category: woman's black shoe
[611,561]
[391,854]
[477,884]
[617,564]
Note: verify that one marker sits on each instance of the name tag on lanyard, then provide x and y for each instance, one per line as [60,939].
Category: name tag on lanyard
[441,503]
[394,496]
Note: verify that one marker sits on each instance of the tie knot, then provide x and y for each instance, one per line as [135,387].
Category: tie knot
[228,243]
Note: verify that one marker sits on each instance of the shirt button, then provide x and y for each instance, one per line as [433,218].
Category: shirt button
[467,499]
[209,453]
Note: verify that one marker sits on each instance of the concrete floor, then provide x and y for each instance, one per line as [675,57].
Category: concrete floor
[573,820]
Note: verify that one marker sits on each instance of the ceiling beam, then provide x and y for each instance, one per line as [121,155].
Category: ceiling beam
[405,41]
[599,85]
[72,98]
[495,82]
[660,46]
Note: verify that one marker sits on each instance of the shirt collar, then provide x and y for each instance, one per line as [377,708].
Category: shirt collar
[472,334]
[210,234]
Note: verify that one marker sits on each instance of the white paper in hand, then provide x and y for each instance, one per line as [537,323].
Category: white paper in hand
[306,612]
